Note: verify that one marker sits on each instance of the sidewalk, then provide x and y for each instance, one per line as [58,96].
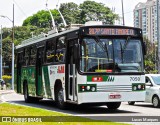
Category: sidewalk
[6,92]
[2,92]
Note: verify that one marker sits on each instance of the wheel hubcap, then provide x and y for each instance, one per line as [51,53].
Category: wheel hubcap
[155,101]
[25,93]
[60,97]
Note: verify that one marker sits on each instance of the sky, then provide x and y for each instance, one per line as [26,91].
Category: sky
[26,8]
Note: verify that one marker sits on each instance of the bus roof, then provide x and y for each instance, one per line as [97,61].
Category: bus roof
[107,31]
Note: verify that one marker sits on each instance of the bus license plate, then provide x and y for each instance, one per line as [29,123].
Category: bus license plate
[114,96]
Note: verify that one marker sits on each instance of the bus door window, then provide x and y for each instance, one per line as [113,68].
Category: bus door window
[71,71]
[60,50]
[39,62]
[50,51]
[19,66]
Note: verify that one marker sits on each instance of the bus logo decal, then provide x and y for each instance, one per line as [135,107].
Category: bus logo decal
[60,69]
[110,79]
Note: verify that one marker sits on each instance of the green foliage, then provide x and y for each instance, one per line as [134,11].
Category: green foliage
[21,33]
[87,11]
[150,57]
[71,12]
[91,10]
[41,19]
[7,80]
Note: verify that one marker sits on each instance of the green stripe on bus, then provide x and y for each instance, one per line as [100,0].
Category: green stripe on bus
[89,78]
[28,73]
[47,82]
[104,78]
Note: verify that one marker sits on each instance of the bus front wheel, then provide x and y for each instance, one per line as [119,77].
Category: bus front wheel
[60,98]
[113,105]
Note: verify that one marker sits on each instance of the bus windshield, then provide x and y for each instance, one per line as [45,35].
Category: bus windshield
[111,55]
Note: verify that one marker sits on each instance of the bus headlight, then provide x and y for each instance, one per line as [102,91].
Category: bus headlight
[138,86]
[87,87]
[134,88]
[93,89]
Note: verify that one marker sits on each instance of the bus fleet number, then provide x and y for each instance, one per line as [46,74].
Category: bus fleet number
[134,78]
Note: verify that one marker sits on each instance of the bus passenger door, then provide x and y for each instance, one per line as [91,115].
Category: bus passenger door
[19,71]
[39,61]
[71,74]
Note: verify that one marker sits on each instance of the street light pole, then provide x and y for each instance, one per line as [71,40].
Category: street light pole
[12,46]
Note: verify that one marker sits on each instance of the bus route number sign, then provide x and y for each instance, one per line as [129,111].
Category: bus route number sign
[111,31]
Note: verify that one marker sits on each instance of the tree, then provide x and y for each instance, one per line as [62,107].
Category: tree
[21,33]
[91,10]
[41,19]
[87,11]
[150,59]
[71,12]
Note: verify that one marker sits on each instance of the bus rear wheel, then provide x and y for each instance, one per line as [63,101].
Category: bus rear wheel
[113,105]
[27,98]
[131,103]
[60,98]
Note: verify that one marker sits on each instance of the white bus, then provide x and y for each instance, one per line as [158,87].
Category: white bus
[100,64]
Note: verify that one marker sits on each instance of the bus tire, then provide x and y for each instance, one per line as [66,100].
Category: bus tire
[113,105]
[60,98]
[27,98]
[131,103]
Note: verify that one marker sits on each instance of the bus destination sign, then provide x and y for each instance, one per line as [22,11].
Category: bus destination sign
[111,31]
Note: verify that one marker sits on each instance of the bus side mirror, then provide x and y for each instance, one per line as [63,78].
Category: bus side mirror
[76,51]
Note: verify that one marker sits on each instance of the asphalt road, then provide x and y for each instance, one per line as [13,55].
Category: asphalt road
[101,113]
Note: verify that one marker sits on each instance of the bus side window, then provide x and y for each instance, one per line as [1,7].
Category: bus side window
[33,56]
[61,50]
[26,56]
[20,58]
[50,51]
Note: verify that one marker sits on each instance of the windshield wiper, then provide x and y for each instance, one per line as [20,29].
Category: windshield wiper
[124,47]
[104,47]
[126,43]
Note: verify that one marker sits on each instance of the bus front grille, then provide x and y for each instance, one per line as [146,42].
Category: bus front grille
[114,88]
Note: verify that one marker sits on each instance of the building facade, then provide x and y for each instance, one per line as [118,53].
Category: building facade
[145,17]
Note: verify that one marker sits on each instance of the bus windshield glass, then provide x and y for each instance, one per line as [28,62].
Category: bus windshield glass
[108,55]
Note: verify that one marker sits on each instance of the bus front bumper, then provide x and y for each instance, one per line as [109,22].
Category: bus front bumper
[102,97]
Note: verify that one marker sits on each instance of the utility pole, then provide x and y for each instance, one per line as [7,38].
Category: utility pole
[1,66]
[122,12]
[158,33]
[13,50]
